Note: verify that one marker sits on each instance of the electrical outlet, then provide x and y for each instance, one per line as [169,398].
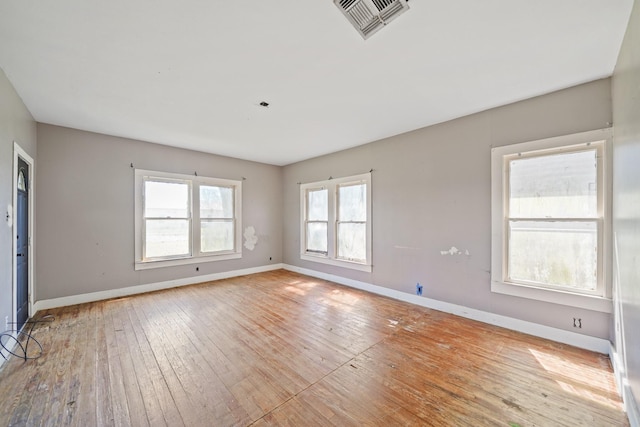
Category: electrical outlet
[418,289]
[577,322]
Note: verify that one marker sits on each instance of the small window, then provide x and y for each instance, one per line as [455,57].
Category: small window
[183,219]
[22,181]
[336,222]
[550,220]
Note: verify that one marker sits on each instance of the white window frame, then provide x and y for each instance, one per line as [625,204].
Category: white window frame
[599,300]
[331,256]
[195,255]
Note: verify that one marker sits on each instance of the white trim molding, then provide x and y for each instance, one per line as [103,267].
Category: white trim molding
[599,345]
[566,337]
[630,406]
[149,287]
[559,335]
[598,299]
[331,256]
[624,388]
[196,253]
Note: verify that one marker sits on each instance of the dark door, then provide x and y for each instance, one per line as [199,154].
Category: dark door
[22,247]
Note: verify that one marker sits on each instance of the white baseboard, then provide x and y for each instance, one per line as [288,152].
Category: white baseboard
[139,289]
[571,338]
[5,352]
[618,369]
[578,340]
[559,335]
[628,398]
[631,406]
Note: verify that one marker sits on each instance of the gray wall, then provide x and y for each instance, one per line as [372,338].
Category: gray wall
[626,202]
[16,124]
[431,191]
[85,210]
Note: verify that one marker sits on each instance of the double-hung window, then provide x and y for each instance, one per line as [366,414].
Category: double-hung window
[317,220]
[336,222]
[182,219]
[550,220]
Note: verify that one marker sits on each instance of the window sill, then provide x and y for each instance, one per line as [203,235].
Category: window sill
[588,302]
[147,265]
[338,263]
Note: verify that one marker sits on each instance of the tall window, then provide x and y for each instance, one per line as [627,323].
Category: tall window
[217,218]
[550,218]
[336,222]
[351,221]
[183,219]
[167,218]
[317,221]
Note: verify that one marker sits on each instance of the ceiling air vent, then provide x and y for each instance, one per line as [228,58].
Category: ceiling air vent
[368,16]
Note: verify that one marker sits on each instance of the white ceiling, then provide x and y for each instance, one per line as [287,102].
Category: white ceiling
[192,73]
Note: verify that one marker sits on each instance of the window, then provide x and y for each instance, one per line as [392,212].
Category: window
[336,222]
[351,221]
[317,221]
[182,219]
[550,220]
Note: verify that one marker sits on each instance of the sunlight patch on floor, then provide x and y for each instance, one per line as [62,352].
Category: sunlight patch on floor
[587,382]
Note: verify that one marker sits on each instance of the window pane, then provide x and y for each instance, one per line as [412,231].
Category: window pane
[554,186]
[554,253]
[352,241]
[166,237]
[352,202]
[318,205]
[317,237]
[216,236]
[216,202]
[166,199]
[22,182]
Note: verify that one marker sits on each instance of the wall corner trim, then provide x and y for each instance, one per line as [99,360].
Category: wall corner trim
[150,287]
[622,384]
[599,345]
[630,405]
[618,369]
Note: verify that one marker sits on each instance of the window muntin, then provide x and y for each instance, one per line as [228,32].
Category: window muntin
[336,225]
[182,219]
[551,223]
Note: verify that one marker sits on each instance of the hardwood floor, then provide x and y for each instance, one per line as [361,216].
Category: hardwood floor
[280,348]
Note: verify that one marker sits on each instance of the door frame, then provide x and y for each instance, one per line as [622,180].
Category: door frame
[18,152]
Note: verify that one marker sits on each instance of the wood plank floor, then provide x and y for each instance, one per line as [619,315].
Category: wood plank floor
[280,348]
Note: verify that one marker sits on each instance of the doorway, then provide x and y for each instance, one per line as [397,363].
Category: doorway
[22,244]
[22,232]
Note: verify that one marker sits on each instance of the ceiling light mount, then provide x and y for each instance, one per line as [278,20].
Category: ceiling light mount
[264,104]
